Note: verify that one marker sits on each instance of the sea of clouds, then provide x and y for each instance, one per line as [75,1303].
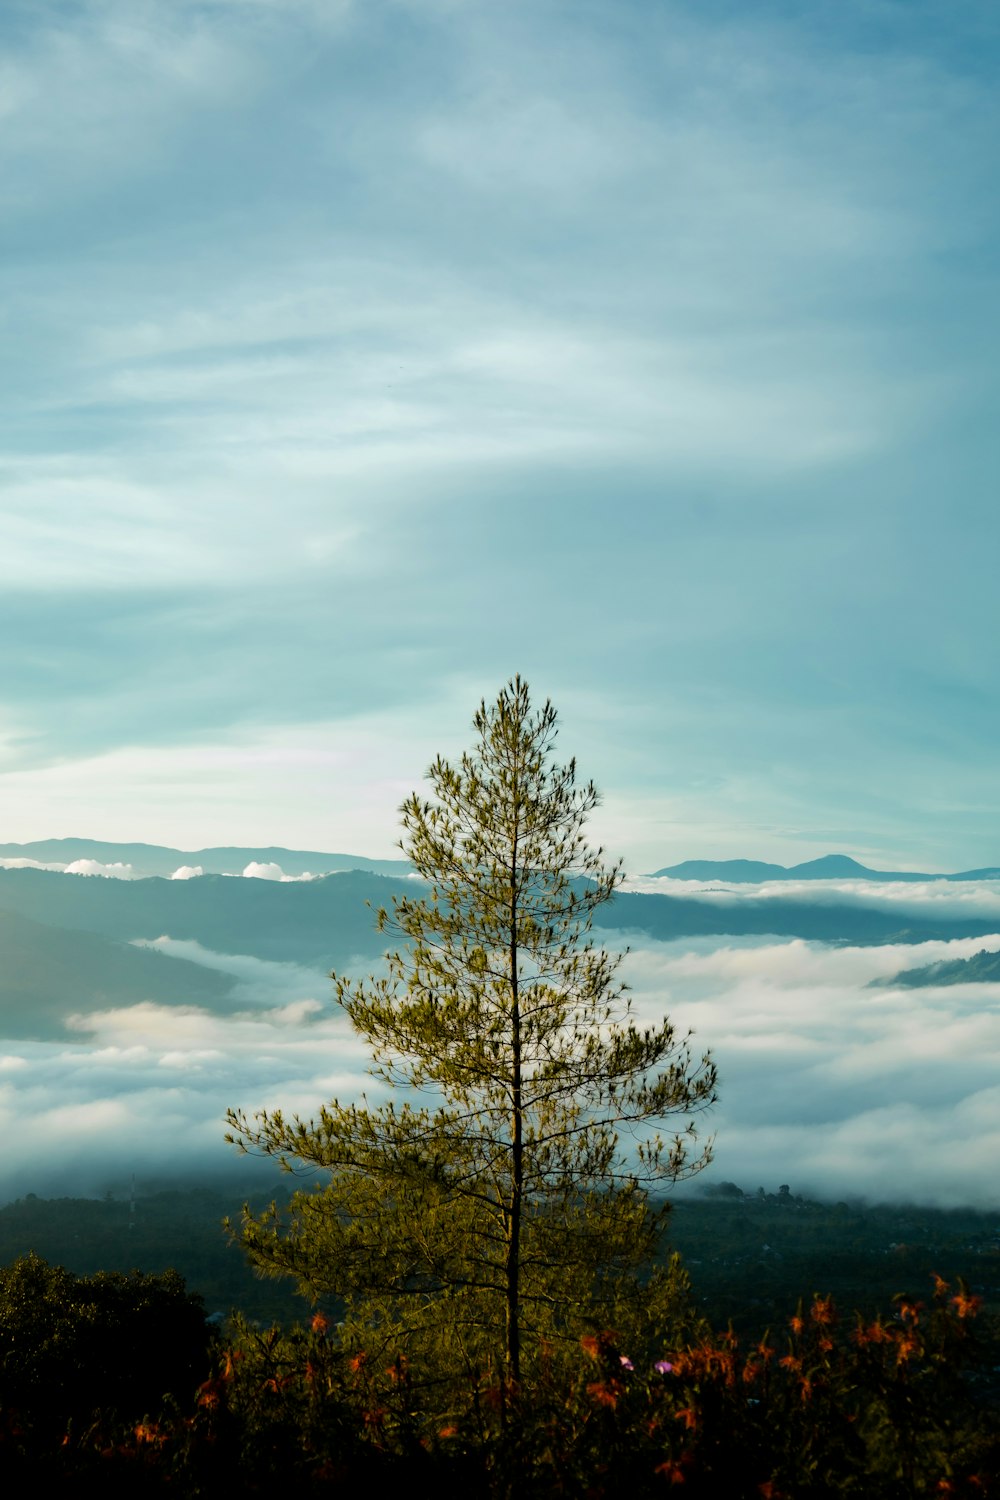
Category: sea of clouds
[930,899]
[838,1088]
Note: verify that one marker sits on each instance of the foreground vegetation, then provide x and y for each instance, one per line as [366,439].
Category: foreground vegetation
[120,1382]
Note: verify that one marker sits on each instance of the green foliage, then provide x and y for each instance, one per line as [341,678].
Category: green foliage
[483,1230]
[173,1229]
[71,1344]
[751,1256]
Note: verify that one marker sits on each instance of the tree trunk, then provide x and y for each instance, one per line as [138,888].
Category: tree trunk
[513,1351]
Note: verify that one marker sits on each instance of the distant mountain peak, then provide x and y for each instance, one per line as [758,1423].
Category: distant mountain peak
[827,867]
[832,864]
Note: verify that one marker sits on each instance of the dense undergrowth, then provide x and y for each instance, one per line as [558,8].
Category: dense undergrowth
[119,1382]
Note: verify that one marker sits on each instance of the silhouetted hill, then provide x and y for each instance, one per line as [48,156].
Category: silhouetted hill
[675,916]
[326,923]
[316,922]
[160,859]
[48,973]
[733,871]
[982,968]
[829,867]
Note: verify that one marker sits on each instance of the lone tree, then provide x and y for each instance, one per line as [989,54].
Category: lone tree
[510,1210]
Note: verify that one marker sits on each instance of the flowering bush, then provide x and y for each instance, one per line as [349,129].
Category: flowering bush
[884,1409]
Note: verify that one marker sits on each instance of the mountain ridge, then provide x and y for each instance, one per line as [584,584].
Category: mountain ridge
[982,968]
[827,867]
[149,860]
[220,859]
[49,972]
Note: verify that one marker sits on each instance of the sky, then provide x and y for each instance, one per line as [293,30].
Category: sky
[358,354]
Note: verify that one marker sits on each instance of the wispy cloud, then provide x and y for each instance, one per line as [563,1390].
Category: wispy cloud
[332,325]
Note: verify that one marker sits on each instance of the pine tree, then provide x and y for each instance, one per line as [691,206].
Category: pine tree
[507,1211]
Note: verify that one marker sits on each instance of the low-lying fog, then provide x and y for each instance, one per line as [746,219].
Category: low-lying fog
[834,1087]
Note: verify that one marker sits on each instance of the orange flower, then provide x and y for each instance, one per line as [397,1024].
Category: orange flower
[822,1310]
[688,1415]
[319,1324]
[599,1345]
[448,1432]
[875,1333]
[966,1306]
[604,1392]
[941,1289]
[796,1324]
[670,1471]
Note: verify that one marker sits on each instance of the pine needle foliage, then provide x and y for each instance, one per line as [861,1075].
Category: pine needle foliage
[499,1202]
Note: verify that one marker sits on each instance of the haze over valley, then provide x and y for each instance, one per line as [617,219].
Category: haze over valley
[855,1020]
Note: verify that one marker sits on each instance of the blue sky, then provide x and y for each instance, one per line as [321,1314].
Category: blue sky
[358,355]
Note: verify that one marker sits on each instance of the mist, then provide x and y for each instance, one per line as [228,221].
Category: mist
[841,1089]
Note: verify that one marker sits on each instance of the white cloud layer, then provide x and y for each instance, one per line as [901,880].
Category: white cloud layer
[144,1088]
[834,1087]
[258,870]
[114,871]
[945,899]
